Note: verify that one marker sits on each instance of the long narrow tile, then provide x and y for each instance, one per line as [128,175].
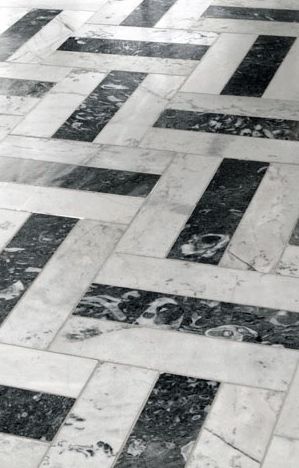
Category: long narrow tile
[257,127]
[193,315]
[183,13]
[259,66]
[100,106]
[110,13]
[162,50]
[24,29]
[26,254]
[201,357]
[176,408]
[81,5]
[95,430]
[16,451]
[11,222]
[37,318]
[147,235]
[288,422]
[16,87]
[16,105]
[225,56]
[47,174]
[264,230]
[30,71]
[219,212]
[238,428]
[148,13]
[255,14]
[140,111]
[280,451]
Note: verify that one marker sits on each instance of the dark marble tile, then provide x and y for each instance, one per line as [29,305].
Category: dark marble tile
[26,254]
[15,87]
[136,48]
[258,127]
[187,314]
[216,216]
[48,174]
[31,414]
[20,32]
[295,235]
[259,66]
[256,14]
[169,423]
[148,13]
[100,106]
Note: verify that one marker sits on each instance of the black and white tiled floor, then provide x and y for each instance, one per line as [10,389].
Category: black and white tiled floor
[149,234]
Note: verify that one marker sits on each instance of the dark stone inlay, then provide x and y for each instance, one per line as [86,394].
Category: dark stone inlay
[148,13]
[32,414]
[169,423]
[48,174]
[16,87]
[187,314]
[256,14]
[20,32]
[259,66]
[295,235]
[136,48]
[26,254]
[218,213]
[100,106]
[210,122]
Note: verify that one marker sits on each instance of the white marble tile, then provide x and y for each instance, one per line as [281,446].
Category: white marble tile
[224,56]
[181,36]
[55,108]
[200,280]
[30,71]
[288,423]
[226,146]
[140,111]
[285,4]
[179,353]
[108,407]
[265,228]
[287,73]
[168,207]
[9,16]
[10,223]
[43,371]
[282,451]
[7,123]
[81,5]
[17,452]
[50,37]
[289,262]
[236,105]
[105,63]
[182,14]
[243,419]
[104,207]
[43,309]
[237,26]
[17,105]
[114,11]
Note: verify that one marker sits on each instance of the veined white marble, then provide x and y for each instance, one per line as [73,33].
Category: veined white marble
[17,105]
[10,223]
[224,56]
[42,371]
[237,26]
[114,11]
[16,452]
[107,409]
[182,14]
[7,123]
[43,309]
[81,5]
[288,423]
[281,451]
[289,262]
[163,215]
[179,353]
[32,71]
[285,4]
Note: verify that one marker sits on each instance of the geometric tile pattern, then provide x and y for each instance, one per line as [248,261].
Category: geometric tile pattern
[149,226]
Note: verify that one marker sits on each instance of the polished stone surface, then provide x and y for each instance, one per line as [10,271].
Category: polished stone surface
[148,13]
[254,14]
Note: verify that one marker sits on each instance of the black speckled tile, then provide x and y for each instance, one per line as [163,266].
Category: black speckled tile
[31,414]
[15,87]
[27,253]
[169,423]
[216,216]
[100,106]
[187,314]
[48,174]
[240,125]
[295,235]
[20,32]
[259,66]
[256,14]
[148,13]
[136,48]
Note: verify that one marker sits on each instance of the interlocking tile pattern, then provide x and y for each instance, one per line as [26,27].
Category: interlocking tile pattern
[149,226]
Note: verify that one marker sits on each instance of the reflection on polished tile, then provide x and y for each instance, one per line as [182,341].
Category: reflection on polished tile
[149,233]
